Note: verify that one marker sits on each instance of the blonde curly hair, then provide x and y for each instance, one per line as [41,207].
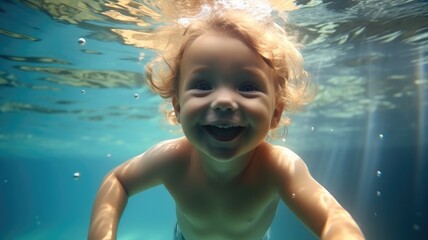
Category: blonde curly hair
[263,36]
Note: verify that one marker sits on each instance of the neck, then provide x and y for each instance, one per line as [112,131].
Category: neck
[222,171]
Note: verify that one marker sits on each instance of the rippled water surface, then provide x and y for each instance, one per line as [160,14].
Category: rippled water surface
[73,105]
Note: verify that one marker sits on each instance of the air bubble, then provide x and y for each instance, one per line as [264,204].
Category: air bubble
[416,227]
[81,41]
[83,91]
[381,136]
[378,193]
[141,56]
[136,96]
[379,173]
[108,155]
[38,221]
[331,130]
[293,195]
[283,139]
[313,129]
[76,175]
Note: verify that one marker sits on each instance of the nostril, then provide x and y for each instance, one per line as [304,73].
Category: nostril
[224,100]
[224,106]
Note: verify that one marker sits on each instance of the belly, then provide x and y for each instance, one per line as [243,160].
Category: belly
[244,220]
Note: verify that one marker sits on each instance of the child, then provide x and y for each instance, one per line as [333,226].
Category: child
[230,79]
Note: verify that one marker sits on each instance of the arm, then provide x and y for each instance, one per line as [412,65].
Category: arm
[108,207]
[140,173]
[312,203]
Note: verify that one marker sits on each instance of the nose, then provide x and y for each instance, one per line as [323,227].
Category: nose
[224,100]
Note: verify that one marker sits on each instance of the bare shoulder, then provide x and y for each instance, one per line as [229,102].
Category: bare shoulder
[165,152]
[283,160]
[287,170]
[151,167]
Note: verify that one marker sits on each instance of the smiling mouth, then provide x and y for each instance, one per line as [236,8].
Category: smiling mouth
[224,132]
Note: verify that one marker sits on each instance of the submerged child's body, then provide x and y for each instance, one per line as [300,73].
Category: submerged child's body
[225,179]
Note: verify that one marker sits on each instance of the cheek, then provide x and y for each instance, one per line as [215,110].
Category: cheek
[191,108]
[260,112]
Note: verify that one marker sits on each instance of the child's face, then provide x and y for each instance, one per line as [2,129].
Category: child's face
[226,97]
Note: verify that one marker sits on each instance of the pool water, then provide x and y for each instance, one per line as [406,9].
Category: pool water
[73,105]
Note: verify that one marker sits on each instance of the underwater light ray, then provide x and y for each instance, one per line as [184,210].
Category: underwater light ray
[421,130]
[371,146]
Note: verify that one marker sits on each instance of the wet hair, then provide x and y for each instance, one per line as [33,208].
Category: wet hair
[279,50]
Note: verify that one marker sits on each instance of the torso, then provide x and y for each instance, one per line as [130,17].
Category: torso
[242,208]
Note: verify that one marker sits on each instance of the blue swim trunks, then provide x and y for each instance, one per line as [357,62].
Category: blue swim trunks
[179,236]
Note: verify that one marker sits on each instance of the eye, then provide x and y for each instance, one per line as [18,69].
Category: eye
[202,86]
[248,87]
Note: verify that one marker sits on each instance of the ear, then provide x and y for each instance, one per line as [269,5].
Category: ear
[277,115]
[176,106]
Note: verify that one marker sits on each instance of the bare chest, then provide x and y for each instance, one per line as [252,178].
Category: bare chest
[237,205]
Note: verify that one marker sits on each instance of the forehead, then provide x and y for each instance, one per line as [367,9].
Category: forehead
[218,50]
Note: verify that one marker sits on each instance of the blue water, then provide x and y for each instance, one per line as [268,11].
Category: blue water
[67,108]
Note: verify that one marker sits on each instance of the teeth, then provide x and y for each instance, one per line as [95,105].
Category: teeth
[218,125]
